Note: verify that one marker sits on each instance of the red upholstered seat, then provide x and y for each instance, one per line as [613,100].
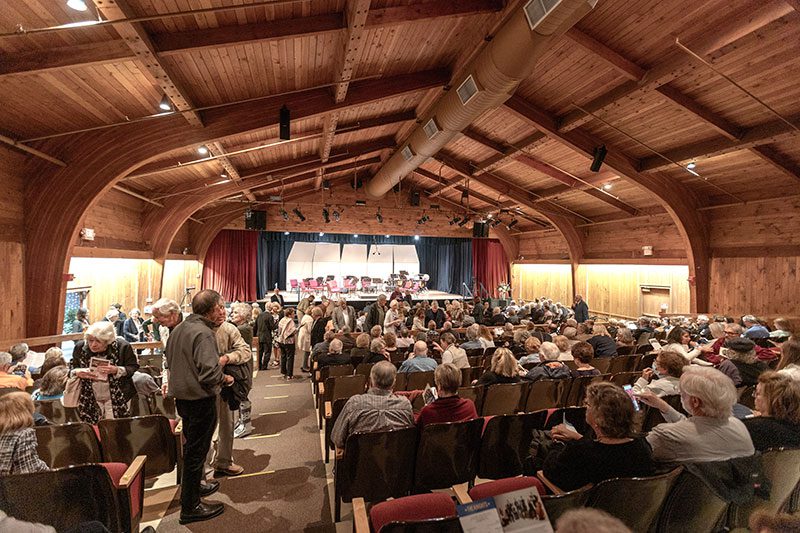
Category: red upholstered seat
[502,486]
[411,508]
[116,471]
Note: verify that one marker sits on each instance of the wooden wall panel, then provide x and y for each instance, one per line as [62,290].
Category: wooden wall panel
[117,222]
[12,287]
[543,246]
[616,289]
[178,275]
[529,281]
[181,240]
[624,240]
[12,216]
[756,224]
[757,285]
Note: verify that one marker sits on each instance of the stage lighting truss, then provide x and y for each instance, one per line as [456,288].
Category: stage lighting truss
[464,221]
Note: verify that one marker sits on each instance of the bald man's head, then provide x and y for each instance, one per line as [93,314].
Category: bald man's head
[420,349]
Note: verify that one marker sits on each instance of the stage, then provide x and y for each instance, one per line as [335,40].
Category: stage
[359,299]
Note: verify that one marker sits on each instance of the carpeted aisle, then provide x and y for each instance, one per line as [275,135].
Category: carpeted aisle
[284,487]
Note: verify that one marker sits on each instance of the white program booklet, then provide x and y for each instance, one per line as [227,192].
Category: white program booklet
[520,510]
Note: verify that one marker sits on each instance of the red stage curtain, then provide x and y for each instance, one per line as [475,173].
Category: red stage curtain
[489,264]
[230,265]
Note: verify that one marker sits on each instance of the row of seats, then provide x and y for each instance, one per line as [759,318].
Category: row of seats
[156,404]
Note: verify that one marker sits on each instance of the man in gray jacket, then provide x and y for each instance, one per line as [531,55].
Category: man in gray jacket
[195,381]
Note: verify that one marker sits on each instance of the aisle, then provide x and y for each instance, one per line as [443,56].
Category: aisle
[284,487]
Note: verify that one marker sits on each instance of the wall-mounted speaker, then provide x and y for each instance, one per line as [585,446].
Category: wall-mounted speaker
[599,156]
[256,220]
[480,229]
[285,118]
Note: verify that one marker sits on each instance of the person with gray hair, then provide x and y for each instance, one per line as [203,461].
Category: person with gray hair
[472,343]
[334,355]
[166,316]
[753,328]
[379,409]
[588,520]
[711,433]
[550,367]
[420,362]
[9,380]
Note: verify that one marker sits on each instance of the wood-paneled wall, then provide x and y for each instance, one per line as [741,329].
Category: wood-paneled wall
[12,288]
[529,281]
[617,289]
[12,214]
[543,246]
[624,240]
[117,222]
[757,285]
[178,276]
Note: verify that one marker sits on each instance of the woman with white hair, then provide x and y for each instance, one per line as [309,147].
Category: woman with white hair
[551,367]
[711,433]
[105,365]
[132,327]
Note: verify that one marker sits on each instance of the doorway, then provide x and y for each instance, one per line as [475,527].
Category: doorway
[653,299]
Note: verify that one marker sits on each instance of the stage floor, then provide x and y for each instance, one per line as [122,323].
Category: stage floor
[291,298]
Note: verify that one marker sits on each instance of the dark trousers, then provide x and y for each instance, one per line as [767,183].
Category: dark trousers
[287,359]
[199,421]
[264,351]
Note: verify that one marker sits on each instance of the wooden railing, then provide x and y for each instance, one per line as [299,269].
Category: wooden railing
[41,341]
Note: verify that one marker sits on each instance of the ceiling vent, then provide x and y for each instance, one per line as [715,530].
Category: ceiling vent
[408,153]
[431,128]
[537,10]
[467,90]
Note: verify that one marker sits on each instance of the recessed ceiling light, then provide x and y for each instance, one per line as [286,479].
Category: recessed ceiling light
[77,5]
[202,150]
[223,175]
[355,235]
[321,233]
[416,237]
[286,233]
[387,236]
[691,165]
[607,186]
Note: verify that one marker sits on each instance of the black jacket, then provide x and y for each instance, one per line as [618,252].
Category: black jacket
[581,311]
[242,382]
[318,331]
[437,317]
[127,359]
[277,298]
[264,327]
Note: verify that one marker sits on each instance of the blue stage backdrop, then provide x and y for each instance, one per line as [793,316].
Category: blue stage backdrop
[448,261]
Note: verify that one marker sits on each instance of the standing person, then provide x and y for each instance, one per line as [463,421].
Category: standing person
[240,320]
[81,321]
[376,314]
[166,316]
[286,340]
[132,327]
[435,314]
[196,380]
[393,319]
[264,325]
[303,306]
[276,297]
[344,316]
[581,309]
[304,326]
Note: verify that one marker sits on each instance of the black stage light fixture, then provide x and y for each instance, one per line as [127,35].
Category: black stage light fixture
[455,220]
[512,223]
[464,221]
[297,212]
[284,214]
[599,156]
[285,118]
[496,222]
[465,194]
[336,216]
[326,216]
[379,217]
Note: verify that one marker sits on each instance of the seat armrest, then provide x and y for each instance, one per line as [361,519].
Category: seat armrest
[462,495]
[360,518]
[321,389]
[328,410]
[549,484]
[133,470]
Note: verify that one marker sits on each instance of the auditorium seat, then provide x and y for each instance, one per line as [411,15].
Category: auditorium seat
[622,363]
[122,439]
[343,386]
[691,506]
[364,369]
[55,411]
[400,381]
[418,380]
[332,412]
[625,350]
[574,415]
[558,504]
[112,494]
[447,454]
[651,417]
[67,444]
[504,398]
[375,466]
[577,390]
[624,378]
[421,513]
[602,364]
[546,394]
[506,443]
[646,361]
[474,393]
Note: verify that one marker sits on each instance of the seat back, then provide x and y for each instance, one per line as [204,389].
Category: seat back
[546,394]
[164,406]
[622,363]
[447,454]
[690,506]
[293,283]
[63,498]
[602,364]
[506,443]
[377,465]
[558,504]
[651,417]
[334,370]
[644,348]
[475,352]
[782,468]
[431,525]
[474,393]
[466,376]
[625,350]
[624,378]
[67,444]
[122,439]
[574,415]
[577,390]
[364,369]
[55,411]
[646,361]
[503,398]
[418,513]
[418,380]
[344,386]
[643,499]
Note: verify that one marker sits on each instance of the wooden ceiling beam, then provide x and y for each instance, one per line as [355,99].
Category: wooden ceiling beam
[233,174]
[778,160]
[766,133]
[723,126]
[76,56]
[531,142]
[141,44]
[713,45]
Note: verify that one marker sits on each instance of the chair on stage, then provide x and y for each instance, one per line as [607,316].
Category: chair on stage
[295,286]
[314,286]
[350,284]
[333,288]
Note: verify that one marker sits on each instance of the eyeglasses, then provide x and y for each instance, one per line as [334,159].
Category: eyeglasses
[730,333]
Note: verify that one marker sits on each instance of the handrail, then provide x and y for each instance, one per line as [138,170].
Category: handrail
[40,341]
[595,311]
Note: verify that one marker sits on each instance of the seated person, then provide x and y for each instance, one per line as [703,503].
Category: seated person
[348,342]
[404,340]
[322,347]
[13,376]
[602,343]
[377,410]
[52,385]
[711,433]
[472,342]
[498,318]
[532,345]
[334,355]
[419,361]
[485,337]
[778,403]
[377,352]
[680,341]
[739,362]
[450,352]
[361,351]
[431,334]
[390,339]
[503,369]
[17,438]
[613,452]
[790,358]
[448,407]
[564,348]
[625,337]
[663,378]
[583,354]
[551,367]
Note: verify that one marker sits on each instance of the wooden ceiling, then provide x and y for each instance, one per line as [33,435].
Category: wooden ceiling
[618,78]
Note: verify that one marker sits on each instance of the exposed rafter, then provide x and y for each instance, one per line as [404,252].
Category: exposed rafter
[777,160]
[233,174]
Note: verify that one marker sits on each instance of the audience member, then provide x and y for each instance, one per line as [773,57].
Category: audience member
[777,401]
[790,358]
[485,337]
[377,352]
[680,341]
[503,369]
[436,315]
[448,407]
[404,340]
[376,314]
[286,341]
[583,354]
[753,328]
[264,330]
[8,378]
[551,367]
[588,520]
[344,315]
[419,361]
[53,384]
[581,309]
[740,363]
[613,452]
[710,433]
[361,350]
[532,345]
[602,343]
[377,410]
[132,330]
[334,355]
[321,348]
[663,378]
[625,337]
[564,348]
[450,352]
[302,343]
[17,438]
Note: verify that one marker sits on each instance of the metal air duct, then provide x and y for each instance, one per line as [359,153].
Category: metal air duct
[489,80]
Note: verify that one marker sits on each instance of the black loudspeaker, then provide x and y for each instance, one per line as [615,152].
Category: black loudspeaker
[414,199]
[480,229]
[256,220]
[284,120]
[599,156]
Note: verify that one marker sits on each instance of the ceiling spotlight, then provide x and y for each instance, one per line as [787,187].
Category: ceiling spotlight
[465,194]
[336,216]
[455,220]
[326,216]
[223,175]
[378,216]
[202,150]
[387,236]
[286,233]
[164,104]
[416,237]
[284,214]
[512,223]
[464,221]
[297,212]
[691,165]
[607,186]
[496,222]
[321,233]
[490,216]
[355,235]
[77,5]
